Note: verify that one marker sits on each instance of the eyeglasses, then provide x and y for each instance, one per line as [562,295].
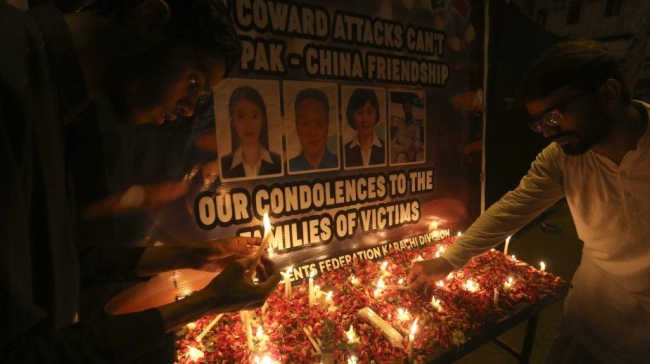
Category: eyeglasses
[553,117]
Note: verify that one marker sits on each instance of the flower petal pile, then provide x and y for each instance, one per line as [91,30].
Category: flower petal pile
[464,304]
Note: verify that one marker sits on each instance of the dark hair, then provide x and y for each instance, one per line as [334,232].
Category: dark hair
[358,99]
[202,25]
[250,94]
[582,64]
[312,93]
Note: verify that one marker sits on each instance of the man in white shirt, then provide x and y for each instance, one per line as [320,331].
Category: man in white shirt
[599,160]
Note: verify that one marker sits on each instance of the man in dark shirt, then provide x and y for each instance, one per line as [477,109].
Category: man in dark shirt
[152,60]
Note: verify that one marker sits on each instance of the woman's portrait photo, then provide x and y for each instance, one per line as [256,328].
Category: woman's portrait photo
[244,146]
[365,131]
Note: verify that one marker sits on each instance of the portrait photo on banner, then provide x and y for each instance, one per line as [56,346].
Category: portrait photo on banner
[311,122]
[363,110]
[407,126]
[249,129]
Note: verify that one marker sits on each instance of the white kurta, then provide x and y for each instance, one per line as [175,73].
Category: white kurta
[608,308]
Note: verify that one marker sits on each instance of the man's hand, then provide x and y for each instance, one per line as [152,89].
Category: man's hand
[229,291]
[232,290]
[215,255]
[210,256]
[428,272]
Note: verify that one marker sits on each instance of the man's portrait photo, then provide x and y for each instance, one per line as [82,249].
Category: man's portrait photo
[311,124]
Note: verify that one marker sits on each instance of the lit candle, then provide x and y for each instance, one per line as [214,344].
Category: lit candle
[264,360]
[354,280]
[471,286]
[514,257]
[434,225]
[505,250]
[194,353]
[507,285]
[317,293]
[436,304]
[411,340]
[459,234]
[287,282]
[311,287]
[542,266]
[263,247]
[441,284]
[247,328]
[352,360]
[384,266]
[419,258]
[352,336]
[380,286]
[402,314]
[496,297]
[330,304]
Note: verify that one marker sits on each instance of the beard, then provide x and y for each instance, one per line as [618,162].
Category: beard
[586,137]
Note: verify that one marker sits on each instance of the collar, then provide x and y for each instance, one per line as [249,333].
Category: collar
[375,140]
[64,60]
[238,157]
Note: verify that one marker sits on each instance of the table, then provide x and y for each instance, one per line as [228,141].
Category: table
[523,312]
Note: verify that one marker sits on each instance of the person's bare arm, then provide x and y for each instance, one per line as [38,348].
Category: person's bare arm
[211,256]
[230,291]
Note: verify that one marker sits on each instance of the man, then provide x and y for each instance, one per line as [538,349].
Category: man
[599,160]
[312,124]
[152,60]
[406,142]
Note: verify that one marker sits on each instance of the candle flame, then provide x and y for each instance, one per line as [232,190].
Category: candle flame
[195,353]
[191,325]
[434,225]
[441,283]
[290,269]
[542,266]
[400,281]
[312,273]
[329,295]
[353,279]
[419,259]
[352,336]
[514,257]
[414,327]
[267,223]
[508,239]
[352,360]
[459,233]
[264,360]
[471,286]
[402,314]
[384,265]
[510,279]
[259,333]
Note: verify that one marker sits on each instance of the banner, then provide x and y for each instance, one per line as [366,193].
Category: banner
[351,123]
